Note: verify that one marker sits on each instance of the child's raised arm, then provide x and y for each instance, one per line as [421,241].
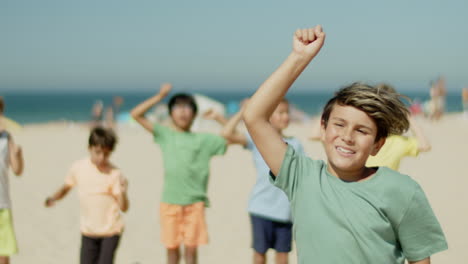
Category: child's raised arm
[424,144]
[230,132]
[138,113]
[211,114]
[306,44]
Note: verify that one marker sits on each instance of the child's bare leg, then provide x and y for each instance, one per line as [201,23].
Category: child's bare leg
[4,260]
[173,255]
[190,255]
[259,258]
[281,258]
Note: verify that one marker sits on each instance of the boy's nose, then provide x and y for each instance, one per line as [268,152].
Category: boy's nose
[347,136]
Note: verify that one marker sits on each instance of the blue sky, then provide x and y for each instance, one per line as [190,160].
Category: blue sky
[227,45]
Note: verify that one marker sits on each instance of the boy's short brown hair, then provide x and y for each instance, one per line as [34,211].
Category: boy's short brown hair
[380,103]
[102,137]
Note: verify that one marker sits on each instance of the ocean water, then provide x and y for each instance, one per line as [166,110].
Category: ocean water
[40,107]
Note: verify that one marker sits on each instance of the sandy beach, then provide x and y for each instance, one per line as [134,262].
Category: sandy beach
[51,235]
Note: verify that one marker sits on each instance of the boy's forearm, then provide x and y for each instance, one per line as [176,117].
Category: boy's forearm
[306,45]
[229,128]
[220,119]
[16,159]
[423,142]
[58,195]
[143,107]
[123,202]
[264,101]
[230,133]
[138,113]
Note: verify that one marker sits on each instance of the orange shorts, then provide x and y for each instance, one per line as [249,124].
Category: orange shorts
[183,224]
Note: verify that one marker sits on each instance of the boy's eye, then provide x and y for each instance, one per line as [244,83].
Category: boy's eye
[362,131]
[338,124]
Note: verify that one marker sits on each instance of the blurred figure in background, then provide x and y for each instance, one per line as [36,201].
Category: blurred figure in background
[465,102]
[96,114]
[10,157]
[113,111]
[435,107]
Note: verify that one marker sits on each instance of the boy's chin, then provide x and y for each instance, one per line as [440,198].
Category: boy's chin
[184,126]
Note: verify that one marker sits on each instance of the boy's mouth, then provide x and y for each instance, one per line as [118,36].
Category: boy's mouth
[345,150]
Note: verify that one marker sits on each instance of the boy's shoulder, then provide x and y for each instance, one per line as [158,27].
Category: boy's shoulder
[395,182]
[82,162]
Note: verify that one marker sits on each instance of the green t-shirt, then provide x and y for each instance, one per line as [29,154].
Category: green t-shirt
[186,158]
[383,219]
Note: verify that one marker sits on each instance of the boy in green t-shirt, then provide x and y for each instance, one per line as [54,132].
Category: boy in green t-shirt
[186,157]
[343,211]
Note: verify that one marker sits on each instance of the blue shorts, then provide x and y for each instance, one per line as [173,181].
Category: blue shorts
[270,234]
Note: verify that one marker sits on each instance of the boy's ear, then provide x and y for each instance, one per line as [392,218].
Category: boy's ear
[377,146]
[322,130]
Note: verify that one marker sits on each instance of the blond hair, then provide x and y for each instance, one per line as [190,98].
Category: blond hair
[381,103]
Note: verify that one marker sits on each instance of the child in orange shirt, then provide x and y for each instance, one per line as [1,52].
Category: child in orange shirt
[102,193]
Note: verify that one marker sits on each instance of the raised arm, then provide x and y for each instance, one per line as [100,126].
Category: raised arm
[306,45]
[138,113]
[58,195]
[16,157]
[211,114]
[423,142]
[230,133]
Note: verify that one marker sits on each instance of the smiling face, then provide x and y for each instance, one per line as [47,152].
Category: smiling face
[182,116]
[349,139]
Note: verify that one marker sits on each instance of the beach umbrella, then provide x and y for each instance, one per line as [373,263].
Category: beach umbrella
[205,103]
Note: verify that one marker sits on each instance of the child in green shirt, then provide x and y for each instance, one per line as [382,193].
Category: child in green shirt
[343,211]
[186,157]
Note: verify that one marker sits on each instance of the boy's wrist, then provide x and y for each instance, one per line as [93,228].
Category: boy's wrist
[300,57]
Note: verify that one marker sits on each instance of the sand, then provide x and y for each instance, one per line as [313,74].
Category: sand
[51,235]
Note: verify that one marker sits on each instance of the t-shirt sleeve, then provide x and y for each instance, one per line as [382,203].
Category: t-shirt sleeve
[250,144]
[159,133]
[419,231]
[217,144]
[411,148]
[292,168]
[70,179]
[299,148]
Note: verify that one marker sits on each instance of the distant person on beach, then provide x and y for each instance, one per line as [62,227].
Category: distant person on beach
[465,102]
[186,158]
[10,157]
[97,114]
[343,211]
[270,213]
[113,111]
[102,191]
[435,107]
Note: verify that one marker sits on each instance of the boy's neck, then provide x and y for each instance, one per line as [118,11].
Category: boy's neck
[280,131]
[352,176]
[178,128]
[104,168]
